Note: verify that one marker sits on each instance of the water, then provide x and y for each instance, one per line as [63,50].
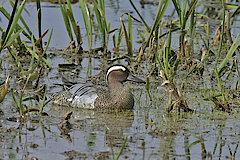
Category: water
[151,132]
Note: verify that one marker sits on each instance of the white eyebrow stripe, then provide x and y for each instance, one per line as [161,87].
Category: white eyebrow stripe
[115,68]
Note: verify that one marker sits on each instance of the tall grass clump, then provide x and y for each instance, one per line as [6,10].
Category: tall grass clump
[30,75]
[117,40]
[128,32]
[153,33]
[37,62]
[36,59]
[13,30]
[70,23]
[104,26]
[219,66]
[184,11]
[12,34]
[87,21]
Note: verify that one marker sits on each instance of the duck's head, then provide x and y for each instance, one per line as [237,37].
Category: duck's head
[120,73]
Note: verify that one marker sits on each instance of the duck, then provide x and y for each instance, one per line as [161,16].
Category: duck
[113,95]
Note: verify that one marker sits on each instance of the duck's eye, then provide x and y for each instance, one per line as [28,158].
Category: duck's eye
[120,70]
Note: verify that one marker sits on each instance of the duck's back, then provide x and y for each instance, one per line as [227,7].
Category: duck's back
[80,95]
[91,96]
[85,95]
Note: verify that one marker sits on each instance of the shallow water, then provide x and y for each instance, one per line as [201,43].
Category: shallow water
[151,132]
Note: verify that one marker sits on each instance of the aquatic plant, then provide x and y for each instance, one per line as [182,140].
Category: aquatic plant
[87,21]
[122,148]
[153,33]
[117,41]
[8,36]
[222,65]
[68,17]
[103,25]
[4,89]
[33,73]
[128,34]
[184,11]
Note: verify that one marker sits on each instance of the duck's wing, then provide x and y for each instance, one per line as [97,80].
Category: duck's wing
[80,95]
[85,94]
[81,89]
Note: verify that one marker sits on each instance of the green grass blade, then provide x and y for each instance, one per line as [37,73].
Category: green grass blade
[167,52]
[18,106]
[14,22]
[159,61]
[73,21]
[25,26]
[43,101]
[130,35]
[66,20]
[124,143]
[86,17]
[120,34]
[45,50]
[10,22]
[102,6]
[193,134]
[69,6]
[12,38]
[125,33]
[1,29]
[144,22]
[18,63]
[184,10]
[39,22]
[107,33]
[160,12]
[100,20]
[14,98]
[158,16]
[221,40]
[229,54]
[7,15]
[189,12]
[114,40]
[31,70]
[176,7]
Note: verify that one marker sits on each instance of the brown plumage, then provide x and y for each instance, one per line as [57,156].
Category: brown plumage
[113,96]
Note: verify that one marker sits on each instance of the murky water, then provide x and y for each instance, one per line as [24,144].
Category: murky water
[151,133]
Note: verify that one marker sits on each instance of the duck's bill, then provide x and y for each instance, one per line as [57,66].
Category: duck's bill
[134,79]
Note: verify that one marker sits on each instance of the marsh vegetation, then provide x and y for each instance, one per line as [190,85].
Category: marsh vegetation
[187,51]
